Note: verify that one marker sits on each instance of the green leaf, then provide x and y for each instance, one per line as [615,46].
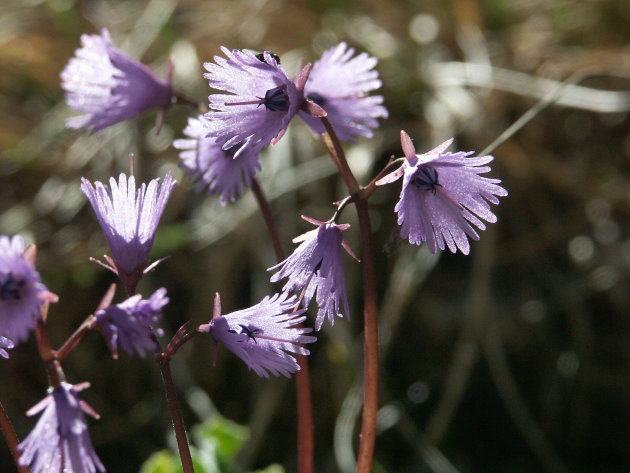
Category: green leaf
[161,462]
[225,436]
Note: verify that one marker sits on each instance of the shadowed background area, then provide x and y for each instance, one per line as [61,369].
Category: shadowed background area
[513,359]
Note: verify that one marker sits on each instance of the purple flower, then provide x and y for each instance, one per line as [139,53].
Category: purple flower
[21,291]
[316,265]
[264,335]
[260,103]
[339,83]
[132,324]
[442,195]
[129,218]
[109,86]
[60,440]
[214,168]
[5,344]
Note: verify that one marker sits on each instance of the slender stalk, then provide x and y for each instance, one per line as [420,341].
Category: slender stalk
[176,415]
[11,438]
[370,334]
[306,441]
[370,305]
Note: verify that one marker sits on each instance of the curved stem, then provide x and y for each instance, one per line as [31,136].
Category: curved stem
[11,438]
[306,441]
[176,415]
[370,305]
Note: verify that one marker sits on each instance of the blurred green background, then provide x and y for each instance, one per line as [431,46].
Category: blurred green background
[513,359]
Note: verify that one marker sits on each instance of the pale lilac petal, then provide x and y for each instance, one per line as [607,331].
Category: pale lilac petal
[213,168]
[248,78]
[132,324]
[339,83]
[316,265]
[129,217]
[21,292]
[60,440]
[444,197]
[108,86]
[265,335]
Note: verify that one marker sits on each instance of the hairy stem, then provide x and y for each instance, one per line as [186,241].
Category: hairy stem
[11,438]
[306,441]
[370,305]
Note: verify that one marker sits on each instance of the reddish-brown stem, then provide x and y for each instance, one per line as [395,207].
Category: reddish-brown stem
[11,438]
[265,209]
[74,339]
[367,438]
[306,442]
[370,336]
[176,415]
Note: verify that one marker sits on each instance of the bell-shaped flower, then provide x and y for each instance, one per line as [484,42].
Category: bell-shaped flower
[264,335]
[443,196]
[108,86]
[260,100]
[339,83]
[316,266]
[214,168]
[60,441]
[132,324]
[129,218]
[22,293]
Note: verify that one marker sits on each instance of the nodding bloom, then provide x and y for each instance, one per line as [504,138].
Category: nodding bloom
[132,324]
[108,86]
[443,196]
[22,293]
[316,266]
[60,441]
[214,168]
[339,83]
[5,344]
[264,335]
[260,102]
[129,220]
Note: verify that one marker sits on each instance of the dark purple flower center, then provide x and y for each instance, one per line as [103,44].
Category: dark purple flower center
[318,99]
[230,152]
[261,56]
[10,287]
[426,178]
[276,99]
[250,332]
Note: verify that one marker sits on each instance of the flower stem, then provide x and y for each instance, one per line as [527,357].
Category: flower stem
[176,415]
[367,438]
[11,438]
[306,442]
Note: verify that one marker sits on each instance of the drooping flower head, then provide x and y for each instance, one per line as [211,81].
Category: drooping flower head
[129,218]
[21,291]
[132,324]
[260,102]
[339,83]
[213,167]
[443,196]
[264,335]
[60,441]
[108,86]
[316,265]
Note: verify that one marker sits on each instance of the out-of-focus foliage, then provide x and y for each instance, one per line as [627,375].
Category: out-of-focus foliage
[215,445]
[513,359]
